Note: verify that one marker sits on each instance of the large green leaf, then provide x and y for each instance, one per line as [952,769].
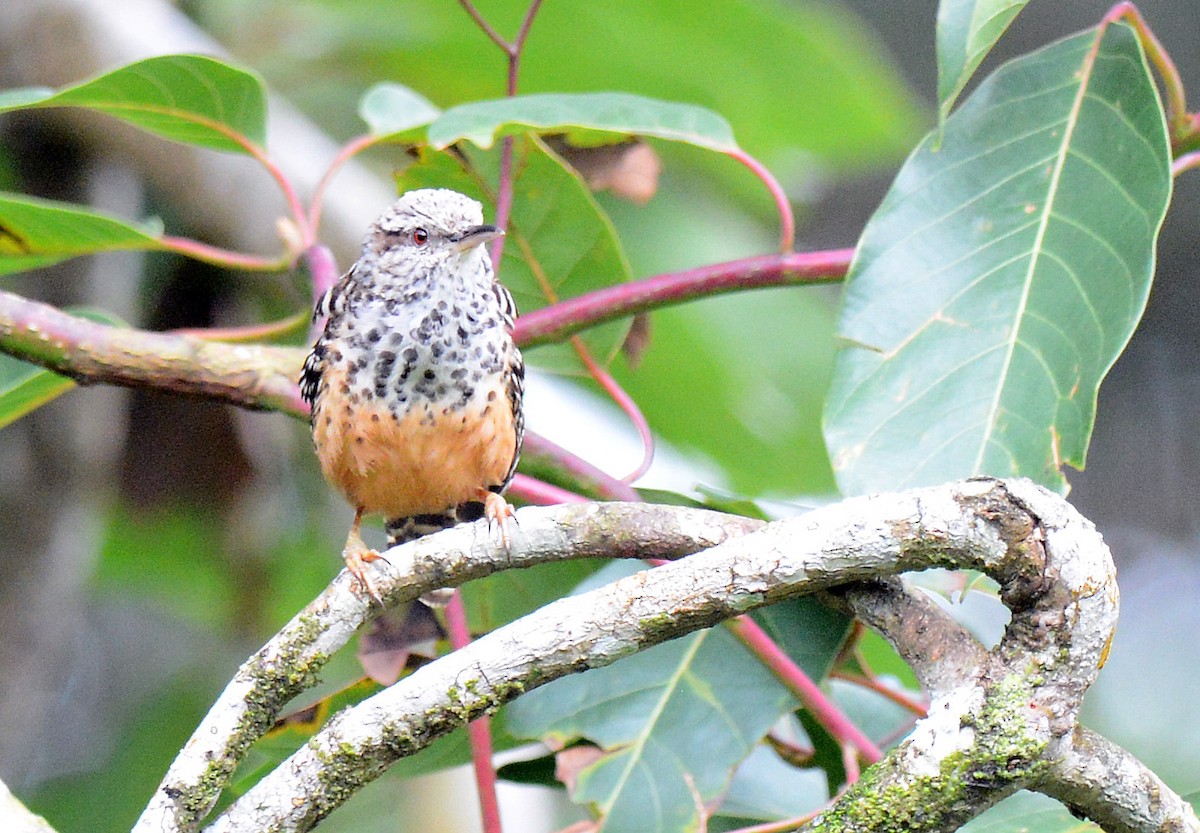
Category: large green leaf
[1003,275]
[647,711]
[36,232]
[187,98]
[560,242]
[675,721]
[1027,811]
[585,118]
[966,32]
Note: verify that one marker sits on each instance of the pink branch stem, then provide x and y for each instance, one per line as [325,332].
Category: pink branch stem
[351,148]
[898,697]
[1187,162]
[479,731]
[1158,55]
[285,185]
[625,403]
[555,322]
[595,479]
[484,26]
[541,493]
[321,268]
[823,710]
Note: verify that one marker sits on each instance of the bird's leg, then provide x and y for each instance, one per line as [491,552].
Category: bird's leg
[500,514]
[356,554]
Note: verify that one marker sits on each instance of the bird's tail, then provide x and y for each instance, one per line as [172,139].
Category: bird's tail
[403,530]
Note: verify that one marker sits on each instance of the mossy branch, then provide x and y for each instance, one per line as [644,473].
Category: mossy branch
[1000,720]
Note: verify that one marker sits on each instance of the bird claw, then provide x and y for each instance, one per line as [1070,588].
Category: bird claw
[357,555]
[499,513]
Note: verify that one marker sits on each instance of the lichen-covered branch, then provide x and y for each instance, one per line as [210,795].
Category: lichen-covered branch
[938,649]
[287,664]
[998,721]
[989,726]
[1099,780]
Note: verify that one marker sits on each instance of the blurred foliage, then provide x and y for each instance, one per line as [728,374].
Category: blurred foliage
[808,75]
[813,97]
[738,380]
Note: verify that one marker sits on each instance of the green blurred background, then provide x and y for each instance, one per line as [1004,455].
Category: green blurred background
[149,543]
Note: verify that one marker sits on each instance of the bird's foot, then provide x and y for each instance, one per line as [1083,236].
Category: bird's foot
[500,516]
[357,555]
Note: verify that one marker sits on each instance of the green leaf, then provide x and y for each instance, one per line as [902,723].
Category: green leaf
[36,232]
[25,387]
[560,242]
[1027,811]
[394,113]
[585,118]
[808,632]
[767,789]
[966,32]
[186,98]
[1003,275]
[644,711]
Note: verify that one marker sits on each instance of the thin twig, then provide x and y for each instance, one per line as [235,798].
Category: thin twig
[224,257]
[787,220]
[350,149]
[898,697]
[485,26]
[625,402]
[1187,162]
[479,731]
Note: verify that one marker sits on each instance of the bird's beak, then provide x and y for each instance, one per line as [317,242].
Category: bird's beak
[476,236]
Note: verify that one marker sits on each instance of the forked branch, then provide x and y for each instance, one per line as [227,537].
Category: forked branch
[999,720]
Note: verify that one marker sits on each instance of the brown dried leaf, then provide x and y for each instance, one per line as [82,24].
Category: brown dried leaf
[637,339]
[570,762]
[628,170]
[397,638]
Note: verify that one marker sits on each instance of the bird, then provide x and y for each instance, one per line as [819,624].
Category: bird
[415,385]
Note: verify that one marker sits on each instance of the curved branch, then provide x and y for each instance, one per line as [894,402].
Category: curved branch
[287,664]
[988,727]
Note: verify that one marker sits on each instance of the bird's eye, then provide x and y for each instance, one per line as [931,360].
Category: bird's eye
[420,236]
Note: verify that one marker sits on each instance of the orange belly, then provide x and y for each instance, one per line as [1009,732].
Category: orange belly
[428,460]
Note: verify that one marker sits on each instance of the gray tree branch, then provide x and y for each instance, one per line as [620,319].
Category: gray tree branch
[1000,720]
